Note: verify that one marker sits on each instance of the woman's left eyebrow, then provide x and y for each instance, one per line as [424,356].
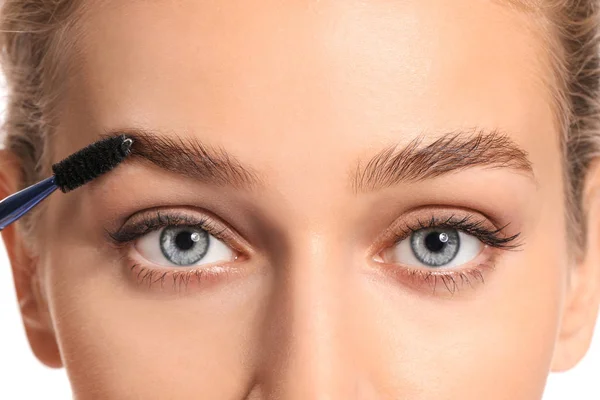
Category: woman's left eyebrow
[449,153]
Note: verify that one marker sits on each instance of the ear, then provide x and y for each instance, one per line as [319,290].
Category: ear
[32,303]
[583,288]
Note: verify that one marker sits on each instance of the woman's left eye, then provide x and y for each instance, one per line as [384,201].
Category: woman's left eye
[183,246]
[434,248]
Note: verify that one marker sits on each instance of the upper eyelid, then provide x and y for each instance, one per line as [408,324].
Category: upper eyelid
[466,222]
[469,221]
[151,220]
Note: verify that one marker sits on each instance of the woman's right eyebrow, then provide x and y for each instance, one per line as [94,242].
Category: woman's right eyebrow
[189,157]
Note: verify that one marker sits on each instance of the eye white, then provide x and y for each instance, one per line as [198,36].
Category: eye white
[149,246]
[403,252]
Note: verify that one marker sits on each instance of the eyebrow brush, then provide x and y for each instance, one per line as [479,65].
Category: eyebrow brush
[74,171]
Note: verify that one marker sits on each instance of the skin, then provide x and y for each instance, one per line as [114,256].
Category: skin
[299,92]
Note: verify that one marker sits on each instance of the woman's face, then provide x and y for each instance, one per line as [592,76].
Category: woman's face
[338,199]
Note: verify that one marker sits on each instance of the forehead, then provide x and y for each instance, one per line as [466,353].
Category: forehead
[347,74]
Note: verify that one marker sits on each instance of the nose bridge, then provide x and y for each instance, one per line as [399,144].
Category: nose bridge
[312,354]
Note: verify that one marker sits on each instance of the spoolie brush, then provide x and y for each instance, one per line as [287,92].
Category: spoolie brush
[74,171]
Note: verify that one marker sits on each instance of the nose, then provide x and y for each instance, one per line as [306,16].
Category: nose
[309,344]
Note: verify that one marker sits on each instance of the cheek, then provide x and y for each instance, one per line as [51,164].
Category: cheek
[115,336]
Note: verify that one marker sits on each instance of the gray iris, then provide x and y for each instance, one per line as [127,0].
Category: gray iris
[434,246]
[184,245]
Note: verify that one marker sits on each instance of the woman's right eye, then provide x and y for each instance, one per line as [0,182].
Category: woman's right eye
[183,246]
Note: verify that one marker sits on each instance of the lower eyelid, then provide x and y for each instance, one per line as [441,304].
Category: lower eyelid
[180,279]
[439,283]
[451,280]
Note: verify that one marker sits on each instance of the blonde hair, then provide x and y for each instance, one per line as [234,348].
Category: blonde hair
[35,35]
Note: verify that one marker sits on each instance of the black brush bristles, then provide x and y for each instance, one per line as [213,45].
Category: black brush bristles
[91,162]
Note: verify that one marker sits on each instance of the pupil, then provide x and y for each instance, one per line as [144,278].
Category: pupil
[184,240]
[433,242]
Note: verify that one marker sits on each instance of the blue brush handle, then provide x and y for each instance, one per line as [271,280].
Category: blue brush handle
[15,206]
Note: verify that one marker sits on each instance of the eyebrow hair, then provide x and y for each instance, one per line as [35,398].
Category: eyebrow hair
[189,157]
[414,162]
[452,152]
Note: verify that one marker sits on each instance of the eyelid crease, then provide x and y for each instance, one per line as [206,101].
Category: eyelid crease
[180,280]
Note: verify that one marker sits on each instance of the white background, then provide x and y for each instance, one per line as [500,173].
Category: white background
[23,377]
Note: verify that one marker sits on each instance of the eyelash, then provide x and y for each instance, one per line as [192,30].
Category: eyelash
[454,279]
